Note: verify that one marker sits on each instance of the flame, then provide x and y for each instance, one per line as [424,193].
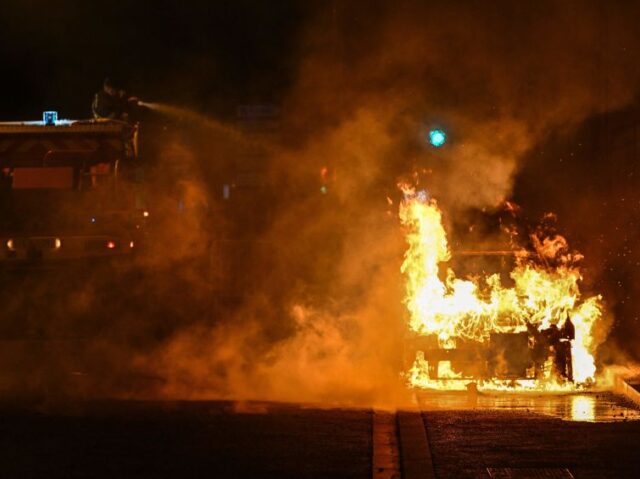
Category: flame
[456,309]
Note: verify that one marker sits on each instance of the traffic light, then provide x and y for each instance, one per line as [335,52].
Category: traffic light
[437,137]
[324,173]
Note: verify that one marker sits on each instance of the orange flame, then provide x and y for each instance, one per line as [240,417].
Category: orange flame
[457,309]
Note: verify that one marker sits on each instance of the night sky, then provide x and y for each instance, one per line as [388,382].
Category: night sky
[211,55]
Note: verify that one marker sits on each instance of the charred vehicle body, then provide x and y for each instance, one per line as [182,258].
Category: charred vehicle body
[527,352]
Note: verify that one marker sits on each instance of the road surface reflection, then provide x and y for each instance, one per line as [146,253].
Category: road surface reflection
[590,407]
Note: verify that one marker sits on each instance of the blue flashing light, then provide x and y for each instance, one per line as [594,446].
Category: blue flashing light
[49,117]
[437,138]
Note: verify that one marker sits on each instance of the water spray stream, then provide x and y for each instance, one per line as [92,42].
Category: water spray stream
[203,121]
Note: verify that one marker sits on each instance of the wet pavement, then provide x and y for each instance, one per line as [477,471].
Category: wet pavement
[589,407]
[523,435]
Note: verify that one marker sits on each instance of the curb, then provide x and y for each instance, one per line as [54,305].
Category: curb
[415,453]
[623,388]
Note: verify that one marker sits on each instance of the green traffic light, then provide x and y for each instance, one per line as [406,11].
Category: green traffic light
[437,138]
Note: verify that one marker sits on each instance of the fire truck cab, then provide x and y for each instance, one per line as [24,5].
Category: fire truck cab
[68,190]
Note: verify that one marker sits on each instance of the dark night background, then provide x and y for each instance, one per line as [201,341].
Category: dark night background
[215,55]
[211,55]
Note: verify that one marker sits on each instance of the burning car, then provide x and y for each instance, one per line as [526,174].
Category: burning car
[532,330]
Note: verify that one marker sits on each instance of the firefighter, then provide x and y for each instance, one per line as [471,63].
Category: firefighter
[568,330]
[540,350]
[560,342]
[567,334]
[112,102]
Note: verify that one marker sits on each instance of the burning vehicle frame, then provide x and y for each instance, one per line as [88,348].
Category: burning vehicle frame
[535,334]
[534,354]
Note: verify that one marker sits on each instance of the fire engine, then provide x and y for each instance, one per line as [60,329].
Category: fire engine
[68,190]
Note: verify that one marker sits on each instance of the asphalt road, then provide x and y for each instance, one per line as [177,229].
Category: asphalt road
[590,435]
[220,439]
[127,439]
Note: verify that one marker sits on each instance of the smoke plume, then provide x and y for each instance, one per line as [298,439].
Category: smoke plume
[318,312]
[325,323]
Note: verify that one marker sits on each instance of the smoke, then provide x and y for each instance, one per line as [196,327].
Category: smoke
[316,308]
[498,78]
[325,322]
